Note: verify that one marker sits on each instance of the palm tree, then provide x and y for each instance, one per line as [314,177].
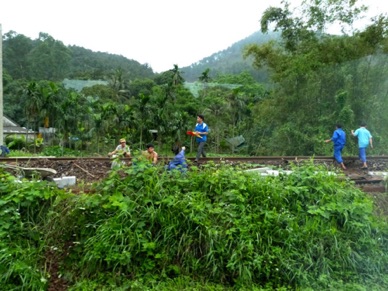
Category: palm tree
[42,100]
[215,110]
[33,104]
[142,113]
[205,78]
[72,113]
[176,78]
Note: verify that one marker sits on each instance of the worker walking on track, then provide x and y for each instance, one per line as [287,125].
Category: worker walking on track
[339,141]
[364,140]
[202,130]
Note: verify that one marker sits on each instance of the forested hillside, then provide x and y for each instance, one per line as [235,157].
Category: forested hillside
[214,226]
[49,59]
[46,58]
[231,60]
[309,81]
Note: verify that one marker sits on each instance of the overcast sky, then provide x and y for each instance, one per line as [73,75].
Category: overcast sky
[160,33]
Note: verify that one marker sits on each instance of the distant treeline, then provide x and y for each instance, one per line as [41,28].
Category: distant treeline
[308,81]
[45,58]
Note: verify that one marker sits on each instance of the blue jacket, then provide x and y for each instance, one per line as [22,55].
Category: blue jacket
[4,151]
[339,137]
[201,128]
[179,162]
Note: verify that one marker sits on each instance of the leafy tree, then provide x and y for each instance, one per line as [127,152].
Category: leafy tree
[205,76]
[103,92]
[140,86]
[40,101]
[312,71]
[176,76]
[216,118]
[49,59]
[142,114]
[14,99]
[71,109]
[16,49]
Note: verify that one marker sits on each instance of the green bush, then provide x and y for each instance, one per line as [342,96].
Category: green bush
[222,225]
[23,209]
[212,229]
[15,142]
[59,151]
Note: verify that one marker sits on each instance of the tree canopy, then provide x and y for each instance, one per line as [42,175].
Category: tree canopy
[313,80]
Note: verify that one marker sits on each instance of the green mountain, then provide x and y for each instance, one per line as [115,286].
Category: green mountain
[230,60]
[46,58]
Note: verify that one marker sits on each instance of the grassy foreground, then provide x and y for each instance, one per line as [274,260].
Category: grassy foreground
[216,228]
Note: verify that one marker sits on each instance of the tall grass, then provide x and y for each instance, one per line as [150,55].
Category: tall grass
[23,208]
[217,228]
[232,228]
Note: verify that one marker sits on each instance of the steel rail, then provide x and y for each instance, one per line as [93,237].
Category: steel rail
[202,160]
[362,181]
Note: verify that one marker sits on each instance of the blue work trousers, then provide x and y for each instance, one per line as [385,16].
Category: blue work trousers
[338,153]
[362,154]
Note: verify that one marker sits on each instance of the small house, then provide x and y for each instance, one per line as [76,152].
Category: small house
[10,127]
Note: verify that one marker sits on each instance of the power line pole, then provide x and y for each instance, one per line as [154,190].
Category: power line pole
[1,88]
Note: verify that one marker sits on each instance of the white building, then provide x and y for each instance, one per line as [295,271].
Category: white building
[10,127]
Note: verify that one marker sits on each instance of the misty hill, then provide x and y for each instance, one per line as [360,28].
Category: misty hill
[46,58]
[230,60]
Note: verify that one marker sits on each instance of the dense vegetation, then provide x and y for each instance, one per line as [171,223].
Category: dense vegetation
[219,227]
[213,229]
[310,81]
[48,59]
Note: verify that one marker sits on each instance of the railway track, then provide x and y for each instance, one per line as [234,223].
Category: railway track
[100,165]
[252,159]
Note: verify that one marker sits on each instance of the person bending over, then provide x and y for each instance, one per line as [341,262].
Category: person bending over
[179,161]
[121,150]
